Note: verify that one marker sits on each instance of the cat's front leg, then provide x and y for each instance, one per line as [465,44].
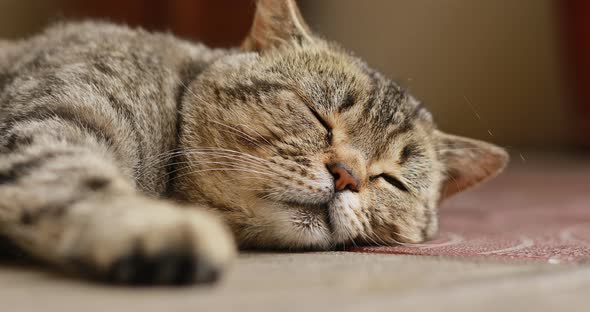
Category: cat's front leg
[71,206]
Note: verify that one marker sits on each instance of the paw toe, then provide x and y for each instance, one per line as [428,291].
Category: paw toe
[170,268]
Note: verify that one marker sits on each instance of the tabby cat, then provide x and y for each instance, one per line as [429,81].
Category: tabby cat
[140,158]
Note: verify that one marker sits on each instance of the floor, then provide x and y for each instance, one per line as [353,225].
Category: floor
[336,281]
[363,281]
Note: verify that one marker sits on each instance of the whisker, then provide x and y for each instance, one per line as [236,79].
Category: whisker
[223,169]
[230,156]
[236,162]
[258,133]
[219,149]
[242,134]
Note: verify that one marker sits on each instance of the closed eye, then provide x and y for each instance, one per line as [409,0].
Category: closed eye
[324,124]
[393,181]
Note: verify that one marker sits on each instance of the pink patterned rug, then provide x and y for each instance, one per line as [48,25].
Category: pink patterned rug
[534,211]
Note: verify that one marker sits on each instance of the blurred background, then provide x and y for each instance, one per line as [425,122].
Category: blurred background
[512,72]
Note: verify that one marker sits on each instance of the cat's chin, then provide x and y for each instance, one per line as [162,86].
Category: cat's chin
[296,226]
[322,226]
[346,217]
[307,227]
[284,226]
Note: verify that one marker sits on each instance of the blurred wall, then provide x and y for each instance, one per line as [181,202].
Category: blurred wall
[480,66]
[23,17]
[486,66]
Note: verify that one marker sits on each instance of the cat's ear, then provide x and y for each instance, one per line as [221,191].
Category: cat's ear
[275,22]
[467,162]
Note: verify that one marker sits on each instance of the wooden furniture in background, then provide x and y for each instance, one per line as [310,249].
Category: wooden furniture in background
[576,18]
[219,23]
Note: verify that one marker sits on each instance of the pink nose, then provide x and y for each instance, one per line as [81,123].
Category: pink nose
[343,178]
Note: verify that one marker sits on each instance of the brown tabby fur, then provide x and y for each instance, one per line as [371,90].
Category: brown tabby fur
[132,156]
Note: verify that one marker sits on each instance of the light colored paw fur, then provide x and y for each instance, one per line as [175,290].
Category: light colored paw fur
[143,241]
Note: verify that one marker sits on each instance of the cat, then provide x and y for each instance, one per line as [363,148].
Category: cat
[140,158]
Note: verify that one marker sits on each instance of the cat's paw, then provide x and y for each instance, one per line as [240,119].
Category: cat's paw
[142,242]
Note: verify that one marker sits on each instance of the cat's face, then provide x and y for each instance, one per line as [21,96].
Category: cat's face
[300,145]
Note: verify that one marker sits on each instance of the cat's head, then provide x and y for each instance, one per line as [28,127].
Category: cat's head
[300,145]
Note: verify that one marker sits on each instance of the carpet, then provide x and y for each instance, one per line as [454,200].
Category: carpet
[538,210]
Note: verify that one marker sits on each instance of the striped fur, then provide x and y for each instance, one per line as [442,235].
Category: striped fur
[135,156]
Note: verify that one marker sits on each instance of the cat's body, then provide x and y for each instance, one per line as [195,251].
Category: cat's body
[85,111]
[115,143]
[127,84]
